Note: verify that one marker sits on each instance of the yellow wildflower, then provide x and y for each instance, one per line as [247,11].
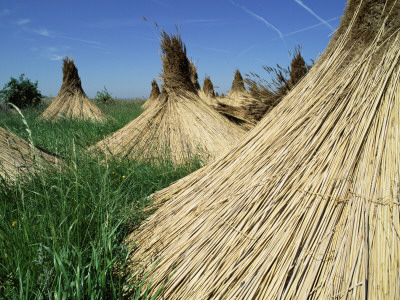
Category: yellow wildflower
[13,224]
[5,255]
[123,176]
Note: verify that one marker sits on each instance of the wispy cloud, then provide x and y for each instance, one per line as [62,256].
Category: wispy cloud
[22,21]
[42,32]
[53,53]
[299,2]
[56,57]
[4,12]
[263,20]
[246,50]
[81,40]
[311,27]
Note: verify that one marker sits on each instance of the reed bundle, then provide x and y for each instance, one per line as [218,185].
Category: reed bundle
[266,94]
[193,75]
[238,94]
[179,125]
[207,93]
[18,157]
[155,92]
[71,101]
[307,205]
[234,104]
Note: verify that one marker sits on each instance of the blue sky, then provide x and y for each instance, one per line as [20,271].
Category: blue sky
[114,47]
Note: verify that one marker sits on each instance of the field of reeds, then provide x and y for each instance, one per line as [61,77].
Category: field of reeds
[61,232]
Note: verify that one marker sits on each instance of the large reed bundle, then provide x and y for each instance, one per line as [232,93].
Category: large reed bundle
[18,158]
[155,92]
[180,125]
[71,101]
[307,205]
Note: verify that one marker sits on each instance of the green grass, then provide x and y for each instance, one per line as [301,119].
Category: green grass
[61,233]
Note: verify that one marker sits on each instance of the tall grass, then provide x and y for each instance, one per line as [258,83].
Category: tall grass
[61,232]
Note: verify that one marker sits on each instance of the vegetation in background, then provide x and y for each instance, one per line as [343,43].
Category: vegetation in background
[61,233]
[21,92]
[103,97]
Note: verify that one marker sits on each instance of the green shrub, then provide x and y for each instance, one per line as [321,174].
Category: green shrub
[21,92]
[104,97]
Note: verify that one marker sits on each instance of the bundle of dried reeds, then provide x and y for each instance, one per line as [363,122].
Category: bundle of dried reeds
[234,105]
[208,87]
[180,125]
[207,93]
[155,92]
[238,94]
[307,205]
[71,101]
[193,75]
[267,94]
[18,158]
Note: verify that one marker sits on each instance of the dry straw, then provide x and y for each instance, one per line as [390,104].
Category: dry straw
[207,93]
[71,101]
[266,94]
[237,96]
[234,104]
[155,92]
[179,124]
[193,75]
[18,158]
[307,205]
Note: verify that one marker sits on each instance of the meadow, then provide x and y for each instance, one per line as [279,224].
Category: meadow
[61,233]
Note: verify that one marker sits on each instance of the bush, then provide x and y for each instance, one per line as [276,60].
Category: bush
[104,97]
[21,92]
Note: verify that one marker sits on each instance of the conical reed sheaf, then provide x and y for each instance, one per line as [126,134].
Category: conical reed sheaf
[193,75]
[207,93]
[208,87]
[155,92]
[237,96]
[179,125]
[234,104]
[307,205]
[18,158]
[71,101]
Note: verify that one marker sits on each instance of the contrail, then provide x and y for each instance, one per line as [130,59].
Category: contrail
[299,2]
[246,50]
[310,27]
[269,25]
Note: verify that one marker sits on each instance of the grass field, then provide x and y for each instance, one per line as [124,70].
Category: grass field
[61,233]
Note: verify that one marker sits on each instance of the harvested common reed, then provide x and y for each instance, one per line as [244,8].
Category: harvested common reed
[155,92]
[71,101]
[193,75]
[207,93]
[307,205]
[234,104]
[19,158]
[238,94]
[208,87]
[266,94]
[180,125]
